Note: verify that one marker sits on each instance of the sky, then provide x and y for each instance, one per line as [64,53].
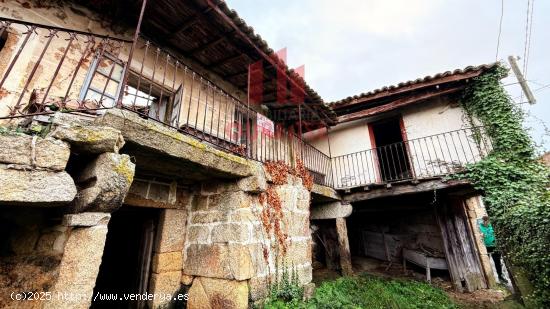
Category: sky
[353,46]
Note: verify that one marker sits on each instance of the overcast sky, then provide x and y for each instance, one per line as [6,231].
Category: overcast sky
[353,46]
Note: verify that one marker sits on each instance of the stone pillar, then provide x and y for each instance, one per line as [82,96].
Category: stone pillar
[81,259]
[331,210]
[168,255]
[345,257]
[475,210]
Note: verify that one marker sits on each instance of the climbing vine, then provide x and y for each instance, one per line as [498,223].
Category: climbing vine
[514,182]
[272,213]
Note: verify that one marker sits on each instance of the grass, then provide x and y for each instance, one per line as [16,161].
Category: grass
[366,291]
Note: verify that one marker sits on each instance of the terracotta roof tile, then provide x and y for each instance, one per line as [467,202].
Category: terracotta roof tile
[392,88]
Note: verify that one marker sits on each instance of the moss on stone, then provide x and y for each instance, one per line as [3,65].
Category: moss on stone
[124,168]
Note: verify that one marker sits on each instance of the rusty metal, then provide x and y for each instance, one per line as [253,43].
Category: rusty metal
[30,31]
[33,71]
[131,53]
[90,42]
[71,39]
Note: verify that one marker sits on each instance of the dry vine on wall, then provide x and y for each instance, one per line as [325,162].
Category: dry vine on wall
[272,212]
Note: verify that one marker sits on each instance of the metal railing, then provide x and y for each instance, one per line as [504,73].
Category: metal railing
[431,156]
[52,69]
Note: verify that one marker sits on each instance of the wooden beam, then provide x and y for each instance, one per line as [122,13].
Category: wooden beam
[191,21]
[396,104]
[238,74]
[343,244]
[225,60]
[210,44]
[403,189]
[415,86]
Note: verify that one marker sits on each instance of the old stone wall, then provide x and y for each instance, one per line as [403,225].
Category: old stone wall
[212,238]
[229,256]
[54,213]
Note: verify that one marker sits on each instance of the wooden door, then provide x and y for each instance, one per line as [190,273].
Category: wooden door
[460,250]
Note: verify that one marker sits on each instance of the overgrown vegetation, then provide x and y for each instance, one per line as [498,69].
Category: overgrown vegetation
[287,290]
[513,180]
[367,291]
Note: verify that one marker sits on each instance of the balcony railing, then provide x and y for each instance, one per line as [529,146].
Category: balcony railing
[51,69]
[431,156]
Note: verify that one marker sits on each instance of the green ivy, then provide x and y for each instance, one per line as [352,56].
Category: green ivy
[514,182]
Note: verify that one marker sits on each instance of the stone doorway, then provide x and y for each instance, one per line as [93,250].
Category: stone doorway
[126,261]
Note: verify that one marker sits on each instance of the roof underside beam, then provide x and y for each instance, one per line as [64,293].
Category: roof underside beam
[404,101]
[404,89]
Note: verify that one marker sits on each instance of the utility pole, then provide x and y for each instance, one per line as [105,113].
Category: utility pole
[515,68]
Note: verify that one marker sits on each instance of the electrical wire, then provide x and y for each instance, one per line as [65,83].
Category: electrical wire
[530,36]
[500,27]
[527,37]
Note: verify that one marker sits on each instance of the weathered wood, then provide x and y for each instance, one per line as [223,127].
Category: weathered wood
[396,104]
[475,276]
[464,264]
[402,189]
[415,86]
[343,244]
[449,253]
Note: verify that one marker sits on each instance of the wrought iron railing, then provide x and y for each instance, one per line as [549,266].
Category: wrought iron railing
[50,69]
[431,156]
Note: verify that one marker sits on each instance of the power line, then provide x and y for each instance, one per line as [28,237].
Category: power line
[500,27]
[530,37]
[541,88]
[528,24]
[536,90]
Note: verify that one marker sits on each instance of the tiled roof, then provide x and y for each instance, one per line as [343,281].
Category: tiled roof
[411,83]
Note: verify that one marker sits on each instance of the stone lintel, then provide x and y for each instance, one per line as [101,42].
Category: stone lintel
[331,211]
[166,143]
[86,219]
[90,138]
[35,188]
[324,193]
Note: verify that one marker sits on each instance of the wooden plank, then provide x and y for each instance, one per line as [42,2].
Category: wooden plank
[476,278]
[396,104]
[464,264]
[439,212]
[343,244]
[404,188]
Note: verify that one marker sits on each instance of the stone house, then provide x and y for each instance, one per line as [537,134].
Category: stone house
[391,152]
[133,148]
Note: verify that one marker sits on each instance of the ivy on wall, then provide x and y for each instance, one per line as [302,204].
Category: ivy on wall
[514,182]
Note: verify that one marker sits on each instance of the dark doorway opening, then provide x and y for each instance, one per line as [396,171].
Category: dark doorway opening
[383,232]
[393,158]
[125,266]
